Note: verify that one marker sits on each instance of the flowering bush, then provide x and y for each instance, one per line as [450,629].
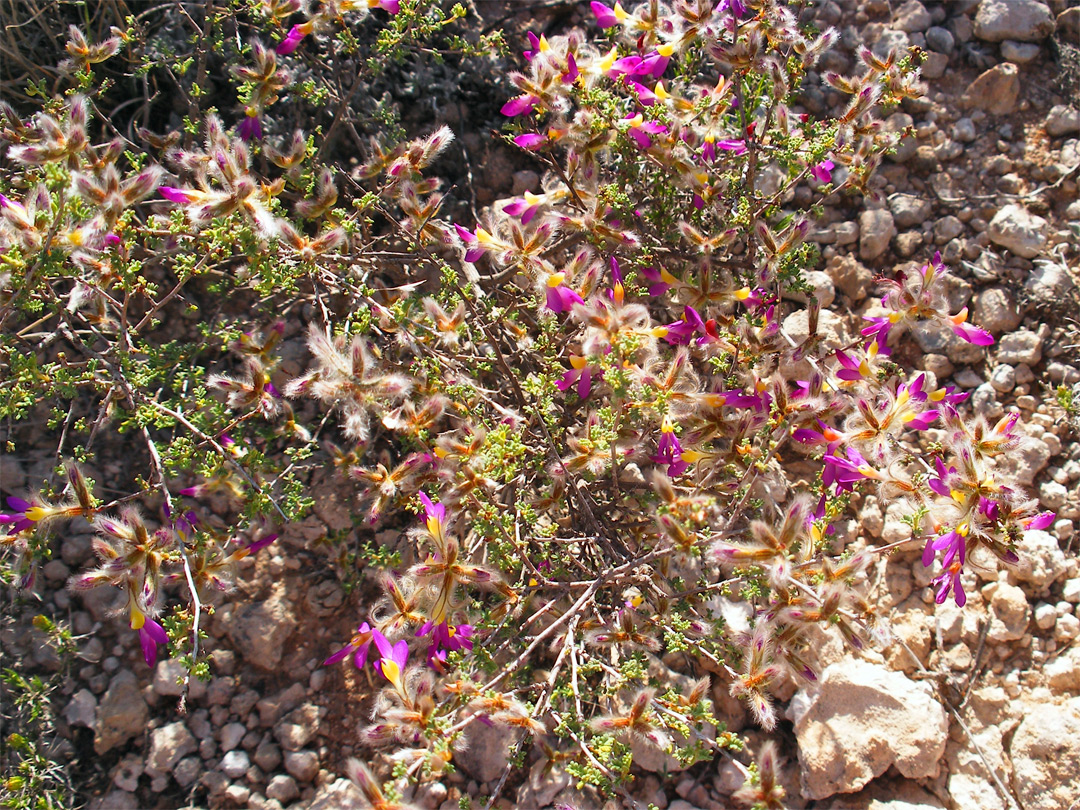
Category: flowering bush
[621,439]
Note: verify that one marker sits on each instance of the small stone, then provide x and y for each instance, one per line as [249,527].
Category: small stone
[1023,20]
[304,765]
[231,735]
[1009,609]
[1042,562]
[1049,282]
[168,678]
[485,750]
[1068,24]
[909,210]
[168,745]
[996,310]
[947,228]
[1045,754]
[911,17]
[525,180]
[934,64]
[235,764]
[876,229]
[283,788]
[122,713]
[81,710]
[187,770]
[238,794]
[1070,591]
[127,773]
[1063,673]
[298,728]
[1019,231]
[272,708]
[1045,616]
[1019,53]
[260,628]
[1067,628]
[1052,495]
[940,39]
[1020,347]
[852,278]
[996,90]
[268,756]
[1003,378]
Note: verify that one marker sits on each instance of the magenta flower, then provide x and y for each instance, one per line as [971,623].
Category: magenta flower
[607,17]
[150,635]
[23,517]
[293,38]
[391,6]
[736,7]
[473,247]
[176,195]
[878,330]
[519,105]
[572,71]
[560,298]
[580,372]
[1040,521]
[534,43]
[445,638]
[360,643]
[524,207]
[641,130]
[954,544]
[530,141]
[822,172]
[659,280]
[655,63]
[972,334]
[250,128]
[844,473]
[627,66]
[392,660]
[669,451]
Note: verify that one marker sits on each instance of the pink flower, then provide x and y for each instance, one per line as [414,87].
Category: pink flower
[822,172]
[641,130]
[250,128]
[23,517]
[392,6]
[580,372]
[530,140]
[669,451]
[659,280]
[519,105]
[293,38]
[534,43]
[473,249]
[607,17]
[360,643]
[1040,521]
[972,334]
[560,298]
[150,635]
[524,207]
[392,660]
[176,195]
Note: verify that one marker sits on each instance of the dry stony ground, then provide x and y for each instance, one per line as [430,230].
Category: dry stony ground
[973,708]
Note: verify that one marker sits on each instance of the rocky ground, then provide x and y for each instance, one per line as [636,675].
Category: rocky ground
[971,708]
